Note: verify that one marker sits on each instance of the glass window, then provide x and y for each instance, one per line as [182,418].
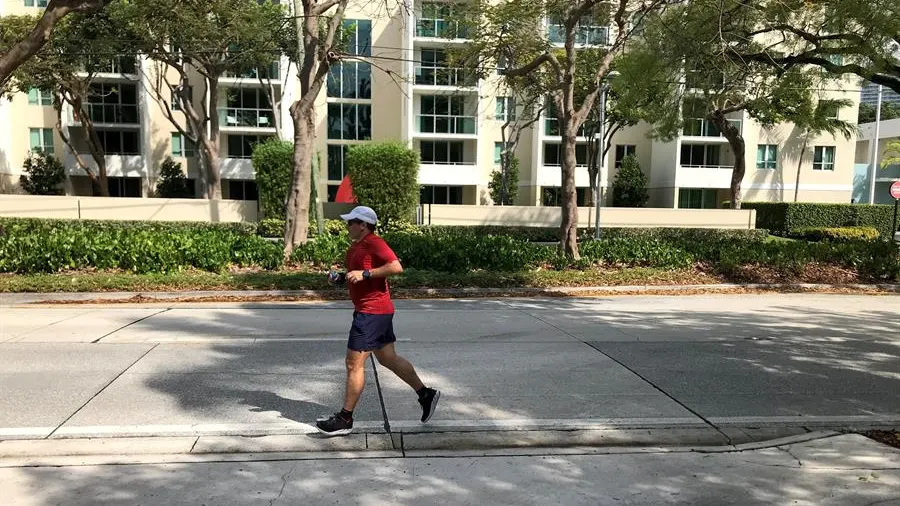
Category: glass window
[766,156]
[551,196]
[441,195]
[41,140]
[823,158]
[700,155]
[337,157]
[553,154]
[182,146]
[442,152]
[36,3]
[39,97]
[349,121]
[623,150]
[438,20]
[124,186]
[506,109]
[241,146]
[239,189]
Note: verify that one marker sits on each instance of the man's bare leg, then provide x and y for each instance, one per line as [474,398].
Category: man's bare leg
[356,377]
[388,357]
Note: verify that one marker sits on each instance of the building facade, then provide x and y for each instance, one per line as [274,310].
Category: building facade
[400,88]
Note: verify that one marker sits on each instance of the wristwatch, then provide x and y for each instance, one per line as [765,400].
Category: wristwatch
[366,274]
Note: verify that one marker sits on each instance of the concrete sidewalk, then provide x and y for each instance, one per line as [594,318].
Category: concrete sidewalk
[657,371]
[845,470]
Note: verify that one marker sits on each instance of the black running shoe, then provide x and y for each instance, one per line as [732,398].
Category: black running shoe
[336,425]
[429,401]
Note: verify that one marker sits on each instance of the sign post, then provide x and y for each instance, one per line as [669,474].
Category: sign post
[895,192]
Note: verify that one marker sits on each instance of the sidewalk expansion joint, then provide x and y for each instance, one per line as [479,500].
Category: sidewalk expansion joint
[95,341]
[110,382]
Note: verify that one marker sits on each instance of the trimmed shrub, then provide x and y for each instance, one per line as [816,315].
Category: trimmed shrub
[783,218]
[43,174]
[630,185]
[385,177]
[271,227]
[172,183]
[837,234]
[272,161]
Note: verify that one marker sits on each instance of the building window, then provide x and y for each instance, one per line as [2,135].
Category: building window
[332,192]
[553,155]
[506,109]
[498,152]
[124,186]
[437,20]
[239,189]
[766,156]
[699,155]
[823,158]
[36,3]
[337,161]
[697,198]
[249,107]
[353,79]
[623,150]
[182,146]
[551,196]
[39,97]
[241,146]
[441,195]
[551,122]
[41,140]
[446,115]
[442,152]
[586,32]
[112,103]
[120,142]
[350,122]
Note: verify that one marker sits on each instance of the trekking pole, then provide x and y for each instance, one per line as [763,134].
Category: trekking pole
[387,425]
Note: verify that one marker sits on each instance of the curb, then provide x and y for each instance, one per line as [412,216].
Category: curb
[425,293]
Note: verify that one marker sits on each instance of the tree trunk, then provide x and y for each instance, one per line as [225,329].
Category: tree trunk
[799,165]
[101,182]
[569,225]
[211,145]
[297,219]
[736,141]
[25,49]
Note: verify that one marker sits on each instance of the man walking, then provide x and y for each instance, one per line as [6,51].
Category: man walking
[369,263]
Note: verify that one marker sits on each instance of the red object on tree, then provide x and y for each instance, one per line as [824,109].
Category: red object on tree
[345,192]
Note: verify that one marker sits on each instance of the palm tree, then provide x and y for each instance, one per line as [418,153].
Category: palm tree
[822,119]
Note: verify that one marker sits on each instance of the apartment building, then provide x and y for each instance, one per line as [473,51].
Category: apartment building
[401,88]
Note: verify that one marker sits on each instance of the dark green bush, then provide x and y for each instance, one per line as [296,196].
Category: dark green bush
[836,234]
[272,227]
[783,218]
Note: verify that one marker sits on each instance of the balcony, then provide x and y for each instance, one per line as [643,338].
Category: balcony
[585,35]
[697,127]
[272,72]
[111,114]
[234,117]
[439,124]
[440,29]
[444,76]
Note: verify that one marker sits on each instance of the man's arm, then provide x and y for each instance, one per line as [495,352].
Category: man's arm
[386,270]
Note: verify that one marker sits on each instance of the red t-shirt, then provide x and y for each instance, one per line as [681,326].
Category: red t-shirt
[371,295]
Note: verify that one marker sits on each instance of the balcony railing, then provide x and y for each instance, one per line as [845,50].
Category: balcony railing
[432,124]
[437,162]
[697,127]
[243,117]
[445,76]
[701,166]
[110,113]
[441,29]
[273,72]
[584,35]
[551,128]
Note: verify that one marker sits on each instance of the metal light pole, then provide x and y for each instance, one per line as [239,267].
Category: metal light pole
[875,147]
[598,193]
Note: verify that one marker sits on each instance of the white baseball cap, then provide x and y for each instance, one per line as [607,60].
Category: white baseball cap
[361,213]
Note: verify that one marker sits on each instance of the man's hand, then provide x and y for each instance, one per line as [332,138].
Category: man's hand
[355,276]
[336,278]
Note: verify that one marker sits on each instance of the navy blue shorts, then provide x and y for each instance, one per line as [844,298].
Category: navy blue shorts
[371,331]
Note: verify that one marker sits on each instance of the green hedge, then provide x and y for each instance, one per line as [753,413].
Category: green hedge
[783,218]
[837,234]
[31,245]
[28,246]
